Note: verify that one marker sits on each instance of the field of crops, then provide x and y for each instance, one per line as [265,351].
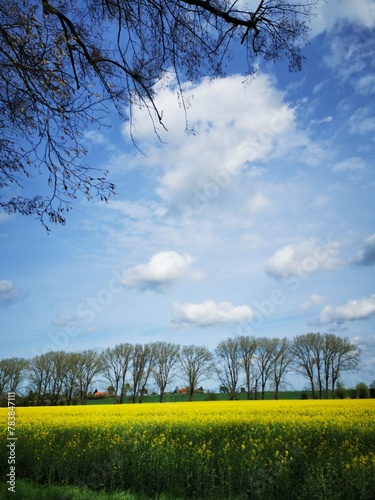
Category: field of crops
[209,450]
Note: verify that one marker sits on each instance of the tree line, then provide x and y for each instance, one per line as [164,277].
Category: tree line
[251,363]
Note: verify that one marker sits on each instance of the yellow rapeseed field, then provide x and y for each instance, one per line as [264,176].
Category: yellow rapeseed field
[262,449]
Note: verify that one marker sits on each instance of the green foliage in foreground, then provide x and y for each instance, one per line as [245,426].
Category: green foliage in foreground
[31,491]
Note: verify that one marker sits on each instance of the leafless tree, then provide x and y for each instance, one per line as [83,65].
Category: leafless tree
[321,358]
[166,359]
[305,358]
[196,364]
[61,63]
[12,374]
[282,358]
[264,357]
[247,347]
[143,362]
[59,368]
[71,376]
[116,362]
[39,376]
[4,376]
[228,365]
[343,356]
[88,367]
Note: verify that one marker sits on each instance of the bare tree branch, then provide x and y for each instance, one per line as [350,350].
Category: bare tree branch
[62,62]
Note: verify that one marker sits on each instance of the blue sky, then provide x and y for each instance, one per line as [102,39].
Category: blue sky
[260,221]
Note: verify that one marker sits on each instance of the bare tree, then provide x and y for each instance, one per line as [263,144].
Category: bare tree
[116,362]
[61,62]
[313,345]
[89,365]
[4,376]
[71,376]
[59,367]
[40,373]
[345,357]
[196,363]
[264,356]
[247,348]
[143,361]
[322,357]
[282,358]
[228,365]
[12,374]
[305,358]
[166,359]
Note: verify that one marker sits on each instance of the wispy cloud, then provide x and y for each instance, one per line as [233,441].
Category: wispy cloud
[313,301]
[257,203]
[354,163]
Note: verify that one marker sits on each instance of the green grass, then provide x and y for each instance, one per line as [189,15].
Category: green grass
[31,491]
[175,398]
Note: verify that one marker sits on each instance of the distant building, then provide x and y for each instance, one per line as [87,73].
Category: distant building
[98,394]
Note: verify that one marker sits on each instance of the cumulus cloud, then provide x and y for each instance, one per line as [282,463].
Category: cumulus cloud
[330,14]
[9,293]
[160,273]
[232,126]
[366,255]
[303,258]
[313,301]
[209,313]
[356,309]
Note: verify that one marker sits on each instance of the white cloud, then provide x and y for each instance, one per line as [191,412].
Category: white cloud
[209,313]
[326,119]
[362,122]
[357,309]
[303,258]
[139,210]
[320,201]
[234,126]
[366,255]
[366,84]
[257,202]
[354,163]
[334,12]
[163,270]
[313,301]
[9,293]
[96,137]
[5,286]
